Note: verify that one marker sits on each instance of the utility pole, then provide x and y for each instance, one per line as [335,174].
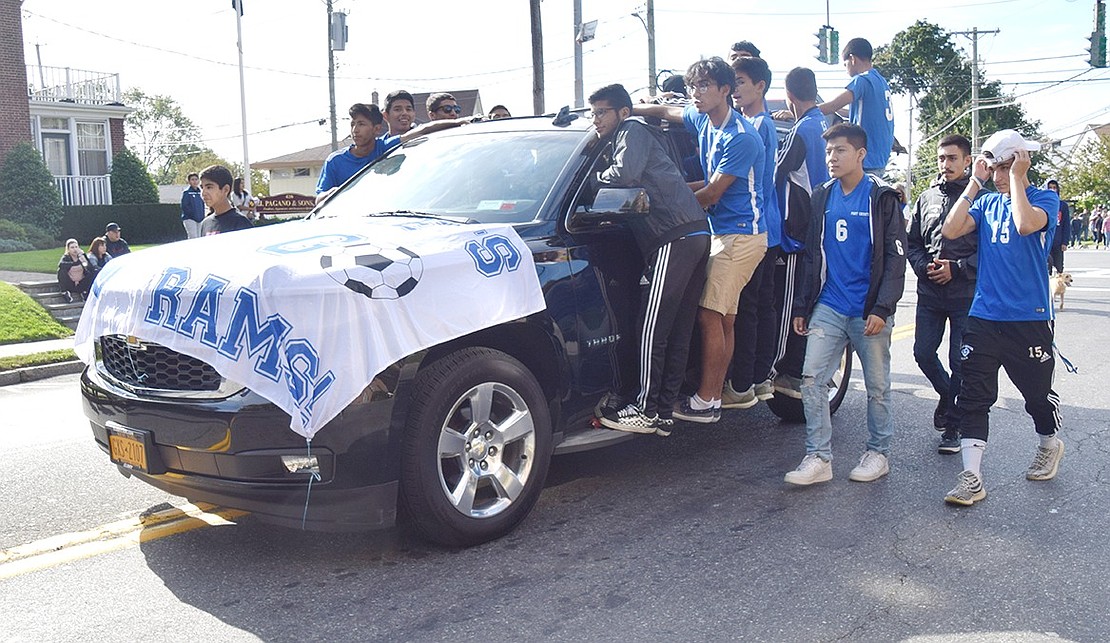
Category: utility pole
[238,6]
[648,20]
[537,57]
[578,92]
[974,36]
[651,46]
[331,83]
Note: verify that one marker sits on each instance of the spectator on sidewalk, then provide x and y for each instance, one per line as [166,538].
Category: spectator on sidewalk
[215,187]
[192,207]
[241,199]
[98,253]
[75,272]
[115,244]
[1059,242]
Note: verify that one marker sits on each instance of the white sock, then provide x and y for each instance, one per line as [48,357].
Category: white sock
[971,450]
[1048,441]
[699,404]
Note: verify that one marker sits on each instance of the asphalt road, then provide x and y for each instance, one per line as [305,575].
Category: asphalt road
[690,538]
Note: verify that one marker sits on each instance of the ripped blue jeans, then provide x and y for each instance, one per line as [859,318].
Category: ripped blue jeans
[829,333]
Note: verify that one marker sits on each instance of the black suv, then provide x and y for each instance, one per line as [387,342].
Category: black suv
[459,436]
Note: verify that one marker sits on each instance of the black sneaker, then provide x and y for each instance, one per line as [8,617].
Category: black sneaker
[949,442]
[940,416]
[68,296]
[609,405]
[632,420]
[663,426]
[704,416]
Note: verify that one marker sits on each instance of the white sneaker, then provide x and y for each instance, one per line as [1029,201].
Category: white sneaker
[812,469]
[872,466]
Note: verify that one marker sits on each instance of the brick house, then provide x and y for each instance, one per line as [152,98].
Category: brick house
[73,117]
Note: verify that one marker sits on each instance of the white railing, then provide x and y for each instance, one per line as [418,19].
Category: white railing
[85,190]
[72,85]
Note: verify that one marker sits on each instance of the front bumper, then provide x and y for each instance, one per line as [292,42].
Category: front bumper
[228,452]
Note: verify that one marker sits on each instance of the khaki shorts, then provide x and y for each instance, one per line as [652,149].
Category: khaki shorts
[732,260]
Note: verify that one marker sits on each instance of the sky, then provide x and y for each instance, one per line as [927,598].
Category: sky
[187,51]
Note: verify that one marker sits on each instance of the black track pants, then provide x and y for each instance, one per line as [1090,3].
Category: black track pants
[1024,349]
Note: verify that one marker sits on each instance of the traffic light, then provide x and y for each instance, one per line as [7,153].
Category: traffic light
[828,45]
[822,45]
[1098,37]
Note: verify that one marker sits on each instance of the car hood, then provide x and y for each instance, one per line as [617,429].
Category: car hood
[307,313]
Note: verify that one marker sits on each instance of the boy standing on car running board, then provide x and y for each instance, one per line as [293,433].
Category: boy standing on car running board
[674,239]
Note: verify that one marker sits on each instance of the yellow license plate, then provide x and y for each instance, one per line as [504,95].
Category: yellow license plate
[127,450]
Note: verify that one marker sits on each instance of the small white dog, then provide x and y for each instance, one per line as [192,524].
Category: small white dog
[1057,285]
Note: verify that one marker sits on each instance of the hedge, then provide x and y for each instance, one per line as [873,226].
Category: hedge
[145,223]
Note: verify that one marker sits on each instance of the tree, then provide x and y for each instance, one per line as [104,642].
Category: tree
[925,62]
[260,183]
[161,133]
[131,183]
[28,195]
[1086,176]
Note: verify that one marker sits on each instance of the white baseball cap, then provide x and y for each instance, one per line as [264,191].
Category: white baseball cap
[1004,144]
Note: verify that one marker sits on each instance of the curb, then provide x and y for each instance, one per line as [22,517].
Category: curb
[32,373]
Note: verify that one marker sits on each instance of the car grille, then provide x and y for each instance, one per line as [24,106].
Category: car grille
[151,366]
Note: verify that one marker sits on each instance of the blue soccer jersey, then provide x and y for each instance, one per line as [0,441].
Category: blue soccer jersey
[342,164]
[870,109]
[847,247]
[765,127]
[1012,284]
[733,149]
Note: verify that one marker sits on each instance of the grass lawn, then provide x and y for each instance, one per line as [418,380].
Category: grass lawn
[38,359]
[39,260]
[22,319]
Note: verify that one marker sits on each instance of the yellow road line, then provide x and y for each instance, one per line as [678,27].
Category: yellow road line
[65,548]
[902,332]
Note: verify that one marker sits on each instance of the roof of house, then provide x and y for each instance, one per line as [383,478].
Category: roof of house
[312,156]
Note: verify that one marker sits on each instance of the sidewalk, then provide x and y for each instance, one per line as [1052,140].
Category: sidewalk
[14,277]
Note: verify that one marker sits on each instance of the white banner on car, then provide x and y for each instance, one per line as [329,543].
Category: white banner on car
[307,313]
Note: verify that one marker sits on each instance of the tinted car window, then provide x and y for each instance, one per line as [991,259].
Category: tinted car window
[490,177]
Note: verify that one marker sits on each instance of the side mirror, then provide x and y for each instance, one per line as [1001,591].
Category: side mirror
[616,202]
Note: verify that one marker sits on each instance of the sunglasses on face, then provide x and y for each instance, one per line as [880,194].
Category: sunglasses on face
[446,109]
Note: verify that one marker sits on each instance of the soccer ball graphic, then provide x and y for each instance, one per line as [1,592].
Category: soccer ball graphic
[374,271]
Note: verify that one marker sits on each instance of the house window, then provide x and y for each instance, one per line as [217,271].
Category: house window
[92,149]
[302,171]
[54,123]
[55,151]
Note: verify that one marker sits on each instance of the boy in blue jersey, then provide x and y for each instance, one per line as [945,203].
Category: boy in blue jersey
[867,96]
[755,316]
[854,274]
[367,144]
[799,169]
[732,158]
[1010,324]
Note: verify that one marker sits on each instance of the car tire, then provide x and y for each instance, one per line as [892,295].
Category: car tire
[465,480]
[790,408]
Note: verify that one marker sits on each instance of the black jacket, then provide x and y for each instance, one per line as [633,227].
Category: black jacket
[641,160]
[925,243]
[888,254]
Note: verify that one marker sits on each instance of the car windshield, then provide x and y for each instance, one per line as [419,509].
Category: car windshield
[488,177]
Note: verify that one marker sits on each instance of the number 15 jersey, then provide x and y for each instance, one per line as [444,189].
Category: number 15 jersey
[1013,270]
